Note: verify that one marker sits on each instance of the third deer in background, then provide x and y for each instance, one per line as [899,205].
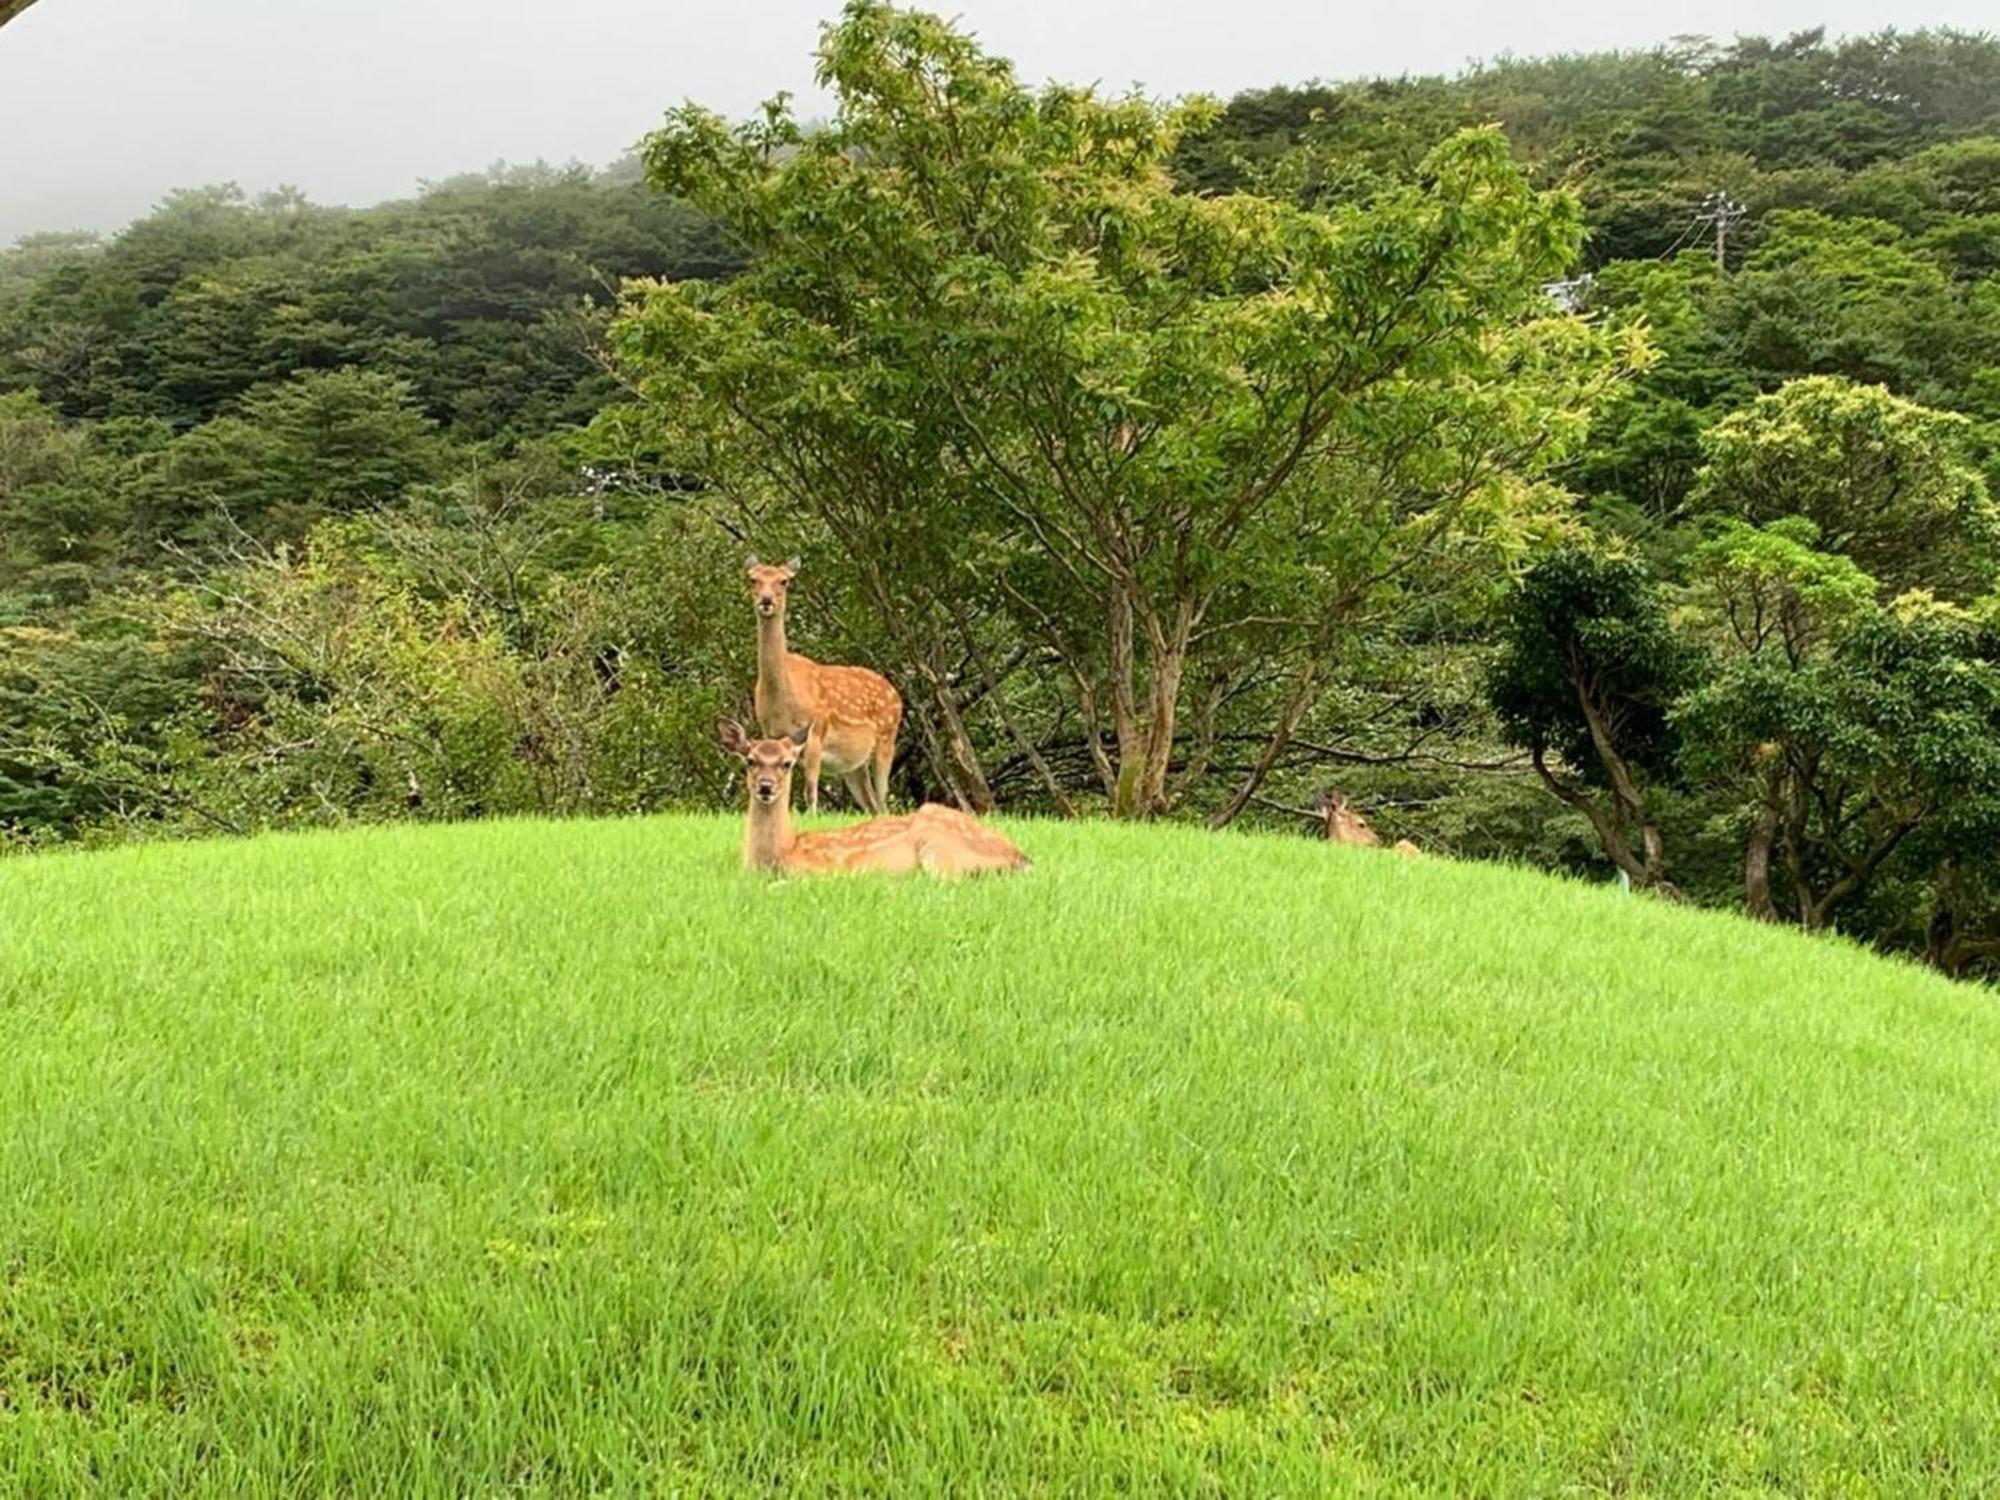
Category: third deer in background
[1345,825]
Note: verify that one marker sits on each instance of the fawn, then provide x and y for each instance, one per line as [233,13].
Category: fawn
[937,840]
[851,714]
[1345,825]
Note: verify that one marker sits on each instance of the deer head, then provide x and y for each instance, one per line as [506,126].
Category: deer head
[1344,823]
[769,762]
[768,584]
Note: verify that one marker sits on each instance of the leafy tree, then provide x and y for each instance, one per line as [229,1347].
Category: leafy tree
[1961,933]
[90,727]
[1768,604]
[1642,135]
[1855,748]
[987,343]
[474,293]
[1587,672]
[37,453]
[1883,480]
[323,443]
[60,517]
[1855,298]
[427,664]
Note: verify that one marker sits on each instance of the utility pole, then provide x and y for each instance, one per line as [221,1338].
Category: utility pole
[1721,210]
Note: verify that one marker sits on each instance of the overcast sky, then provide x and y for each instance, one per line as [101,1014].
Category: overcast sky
[107,104]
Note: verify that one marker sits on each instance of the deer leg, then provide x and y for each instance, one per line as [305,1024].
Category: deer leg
[815,742]
[856,782]
[878,771]
[861,786]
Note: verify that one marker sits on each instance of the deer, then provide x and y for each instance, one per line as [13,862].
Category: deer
[1345,825]
[851,714]
[937,840]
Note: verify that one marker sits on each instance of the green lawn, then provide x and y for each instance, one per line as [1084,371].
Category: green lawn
[565,1158]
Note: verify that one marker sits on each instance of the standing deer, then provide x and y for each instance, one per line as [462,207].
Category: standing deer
[936,840]
[1345,825]
[851,714]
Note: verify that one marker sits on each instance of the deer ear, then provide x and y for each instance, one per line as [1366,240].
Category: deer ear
[751,562]
[731,734]
[1323,803]
[792,567]
[802,733]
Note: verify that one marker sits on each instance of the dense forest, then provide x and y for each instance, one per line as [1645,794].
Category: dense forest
[1586,461]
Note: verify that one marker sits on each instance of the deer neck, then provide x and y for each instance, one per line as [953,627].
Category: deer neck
[768,836]
[774,678]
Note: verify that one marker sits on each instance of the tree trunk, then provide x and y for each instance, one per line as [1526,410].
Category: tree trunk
[1086,701]
[1628,800]
[958,763]
[1645,874]
[1125,792]
[1609,834]
[1195,766]
[1169,664]
[1649,840]
[1305,693]
[990,680]
[1941,945]
[1817,911]
[941,725]
[1757,865]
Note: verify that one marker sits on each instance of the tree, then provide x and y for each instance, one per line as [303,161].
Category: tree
[324,443]
[429,663]
[1883,480]
[988,344]
[1857,298]
[1768,604]
[90,726]
[1962,930]
[60,518]
[37,453]
[1587,671]
[475,293]
[1855,748]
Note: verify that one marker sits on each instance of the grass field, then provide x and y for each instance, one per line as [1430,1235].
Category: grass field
[553,1159]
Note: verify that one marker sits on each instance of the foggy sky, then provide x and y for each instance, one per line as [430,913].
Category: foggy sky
[107,104]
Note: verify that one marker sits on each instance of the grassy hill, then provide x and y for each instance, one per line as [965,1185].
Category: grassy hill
[530,1158]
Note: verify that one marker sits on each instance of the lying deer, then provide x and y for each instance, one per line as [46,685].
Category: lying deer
[851,714]
[937,840]
[1345,825]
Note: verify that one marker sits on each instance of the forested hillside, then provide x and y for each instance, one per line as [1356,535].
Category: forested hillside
[1175,461]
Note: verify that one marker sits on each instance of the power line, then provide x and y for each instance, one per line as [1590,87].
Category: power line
[1573,295]
[1686,234]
